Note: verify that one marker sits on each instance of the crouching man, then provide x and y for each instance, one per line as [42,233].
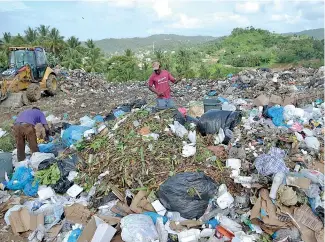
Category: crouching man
[24,130]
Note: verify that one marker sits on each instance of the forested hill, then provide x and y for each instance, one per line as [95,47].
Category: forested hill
[160,41]
[255,47]
[315,33]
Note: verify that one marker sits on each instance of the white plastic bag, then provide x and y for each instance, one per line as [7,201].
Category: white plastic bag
[178,129]
[228,107]
[188,150]
[38,157]
[138,228]
[312,142]
[230,224]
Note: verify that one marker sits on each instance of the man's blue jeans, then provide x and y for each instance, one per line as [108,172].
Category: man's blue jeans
[163,103]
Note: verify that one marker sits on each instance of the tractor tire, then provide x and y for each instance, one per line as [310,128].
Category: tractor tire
[51,85]
[25,99]
[33,92]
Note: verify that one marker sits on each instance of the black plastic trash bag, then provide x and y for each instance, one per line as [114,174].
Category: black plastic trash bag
[213,120]
[68,164]
[62,185]
[187,193]
[139,103]
[46,163]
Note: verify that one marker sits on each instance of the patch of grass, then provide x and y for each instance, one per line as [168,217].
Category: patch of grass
[7,143]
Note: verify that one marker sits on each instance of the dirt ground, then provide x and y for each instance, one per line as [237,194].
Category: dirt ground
[6,234]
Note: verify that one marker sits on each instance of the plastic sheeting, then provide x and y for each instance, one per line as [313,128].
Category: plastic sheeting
[138,228]
[73,134]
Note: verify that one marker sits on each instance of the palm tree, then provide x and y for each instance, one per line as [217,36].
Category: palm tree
[55,40]
[159,55]
[71,59]
[18,40]
[128,52]
[94,61]
[7,37]
[73,42]
[90,44]
[30,35]
[43,30]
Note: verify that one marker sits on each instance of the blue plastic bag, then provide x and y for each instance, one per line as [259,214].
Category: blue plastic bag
[23,179]
[118,113]
[20,178]
[276,113]
[73,134]
[31,188]
[99,118]
[46,148]
[154,217]
[74,235]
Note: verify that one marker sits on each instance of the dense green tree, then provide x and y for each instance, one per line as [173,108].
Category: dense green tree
[94,61]
[7,37]
[56,42]
[90,44]
[71,59]
[73,42]
[43,31]
[30,35]
[128,52]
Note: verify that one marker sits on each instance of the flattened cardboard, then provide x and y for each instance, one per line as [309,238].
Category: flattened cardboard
[300,182]
[77,213]
[261,100]
[22,221]
[264,214]
[305,215]
[274,99]
[289,100]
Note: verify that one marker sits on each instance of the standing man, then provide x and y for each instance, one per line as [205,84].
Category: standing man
[159,84]
[24,129]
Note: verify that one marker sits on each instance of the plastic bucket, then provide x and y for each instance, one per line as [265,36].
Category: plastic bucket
[211,104]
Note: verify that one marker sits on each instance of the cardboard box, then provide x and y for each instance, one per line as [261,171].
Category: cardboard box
[22,221]
[274,99]
[77,213]
[261,100]
[103,233]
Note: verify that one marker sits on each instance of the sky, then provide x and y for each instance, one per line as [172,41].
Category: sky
[139,18]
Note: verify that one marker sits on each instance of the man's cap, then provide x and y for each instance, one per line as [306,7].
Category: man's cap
[155,65]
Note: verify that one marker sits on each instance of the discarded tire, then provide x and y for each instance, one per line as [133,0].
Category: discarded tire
[51,85]
[33,92]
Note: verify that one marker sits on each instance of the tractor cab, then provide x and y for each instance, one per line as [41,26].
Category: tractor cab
[28,73]
[34,57]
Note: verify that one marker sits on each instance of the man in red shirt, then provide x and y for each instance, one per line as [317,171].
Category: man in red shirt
[159,84]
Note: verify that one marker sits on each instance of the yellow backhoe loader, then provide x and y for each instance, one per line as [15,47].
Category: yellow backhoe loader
[28,75]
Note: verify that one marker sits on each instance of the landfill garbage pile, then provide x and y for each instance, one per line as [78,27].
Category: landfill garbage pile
[227,169]
[80,81]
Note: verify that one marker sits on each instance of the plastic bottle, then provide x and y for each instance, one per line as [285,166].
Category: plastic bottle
[277,181]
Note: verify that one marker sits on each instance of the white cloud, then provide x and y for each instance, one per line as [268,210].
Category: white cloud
[231,17]
[186,22]
[247,7]
[162,8]
[290,19]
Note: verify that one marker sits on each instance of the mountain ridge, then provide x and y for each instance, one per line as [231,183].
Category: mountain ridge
[173,41]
